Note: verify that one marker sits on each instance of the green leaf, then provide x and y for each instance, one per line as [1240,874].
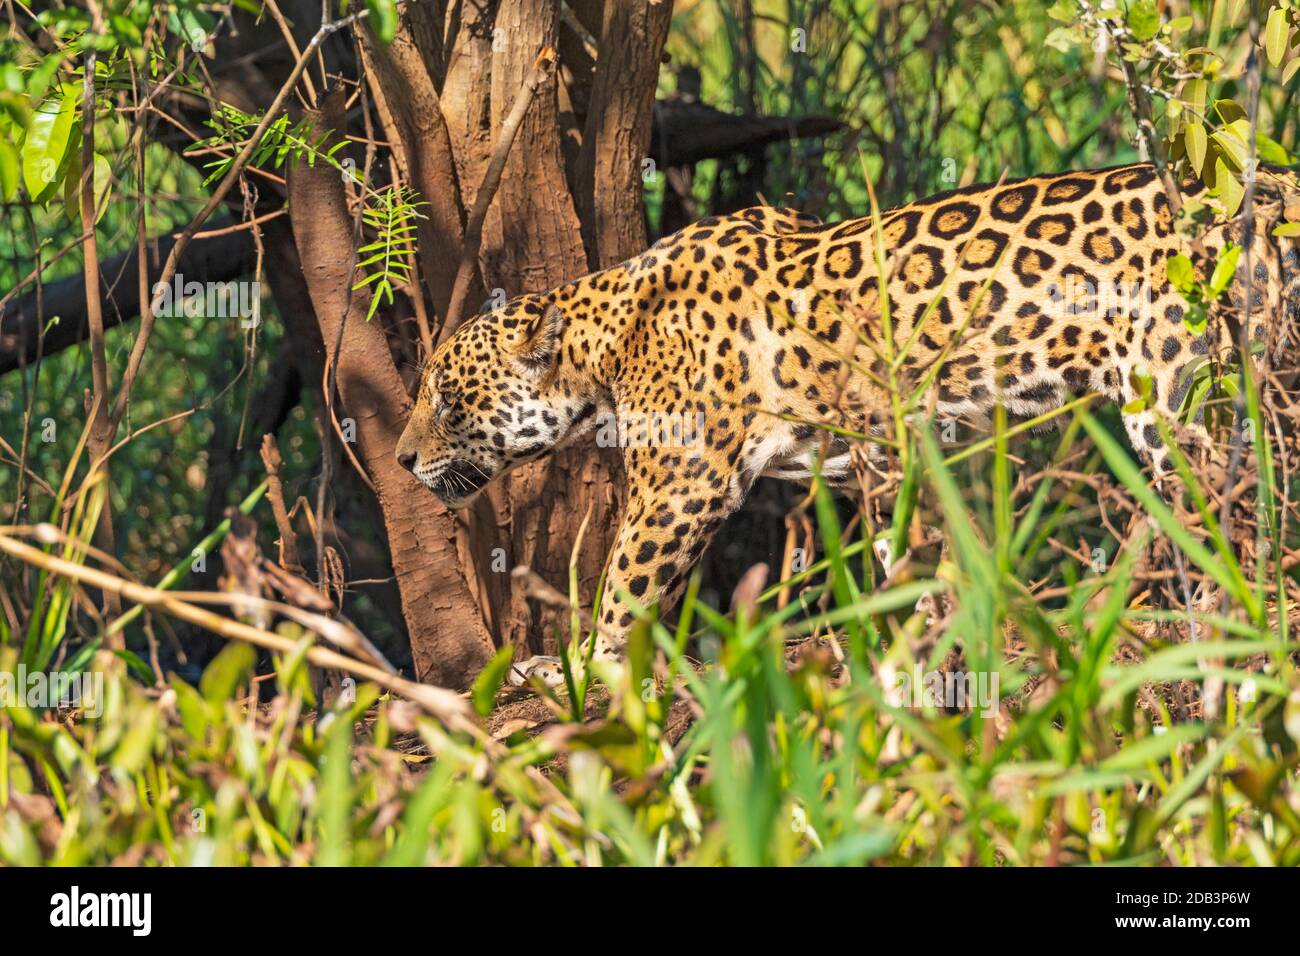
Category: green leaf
[49,136]
[194,26]
[137,743]
[383,19]
[1288,230]
[40,78]
[1195,318]
[1271,151]
[11,79]
[1063,11]
[490,679]
[1063,39]
[1229,111]
[1181,274]
[1224,269]
[10,171]
[1275,35]
[1231,142]
[336,794]
[127,33]
[1155,748]
[226,672]
[1228,187]
[72,188]
[1194,96]
[1195,139]
[1143,20]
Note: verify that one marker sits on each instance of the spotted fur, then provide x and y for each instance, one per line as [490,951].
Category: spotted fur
[754,321]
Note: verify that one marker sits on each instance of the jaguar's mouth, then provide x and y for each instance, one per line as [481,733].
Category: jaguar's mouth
[458,481]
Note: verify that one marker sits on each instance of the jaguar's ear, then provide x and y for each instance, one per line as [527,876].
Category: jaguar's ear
[541,341]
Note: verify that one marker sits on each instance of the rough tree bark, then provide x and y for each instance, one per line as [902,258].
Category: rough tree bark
[415,125]
[540,246]
[532,241]
[616,140]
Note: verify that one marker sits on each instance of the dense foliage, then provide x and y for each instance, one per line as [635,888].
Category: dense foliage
[1120,728]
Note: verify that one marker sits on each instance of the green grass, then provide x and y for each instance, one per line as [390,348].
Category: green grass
[798,749]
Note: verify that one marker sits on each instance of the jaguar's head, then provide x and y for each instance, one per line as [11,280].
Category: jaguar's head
[492,398]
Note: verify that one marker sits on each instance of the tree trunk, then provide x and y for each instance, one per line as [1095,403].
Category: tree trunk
[442,617]
[539,246]
[617,138]
[440,95]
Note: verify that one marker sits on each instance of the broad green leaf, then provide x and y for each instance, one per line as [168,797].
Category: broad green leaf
[1224,269]
[194,711]
[49,135]
[1232,143]
[490,679]
[1143,20]
[127,32]
[194,26]
[337,795]
[1194,96]
[1288,230]
[1271,151]
[72,188]
[38,81]
[1181,274]
[138,742]
[383,19]
[1063,11]
[1063,39]
[16,109]
[1275,35]
[1230,111]
[1174,113]
[11,79]
[226,672]
[1229,187]
[1195,138]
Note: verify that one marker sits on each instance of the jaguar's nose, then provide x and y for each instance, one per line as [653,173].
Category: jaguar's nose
[406,459]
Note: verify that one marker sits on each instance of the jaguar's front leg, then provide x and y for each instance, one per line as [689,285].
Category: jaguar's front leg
[677,499]
[665,531]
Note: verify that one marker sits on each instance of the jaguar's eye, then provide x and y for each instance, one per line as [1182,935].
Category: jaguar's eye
[445,402]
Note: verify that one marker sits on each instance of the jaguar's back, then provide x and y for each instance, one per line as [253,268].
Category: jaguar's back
[1021,293]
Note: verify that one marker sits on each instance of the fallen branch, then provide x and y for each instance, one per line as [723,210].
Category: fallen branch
[450,708]
[220,258]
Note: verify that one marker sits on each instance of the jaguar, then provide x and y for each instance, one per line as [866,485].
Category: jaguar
[766,326]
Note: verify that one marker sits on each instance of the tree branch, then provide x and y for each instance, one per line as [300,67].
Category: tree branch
[491,181]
